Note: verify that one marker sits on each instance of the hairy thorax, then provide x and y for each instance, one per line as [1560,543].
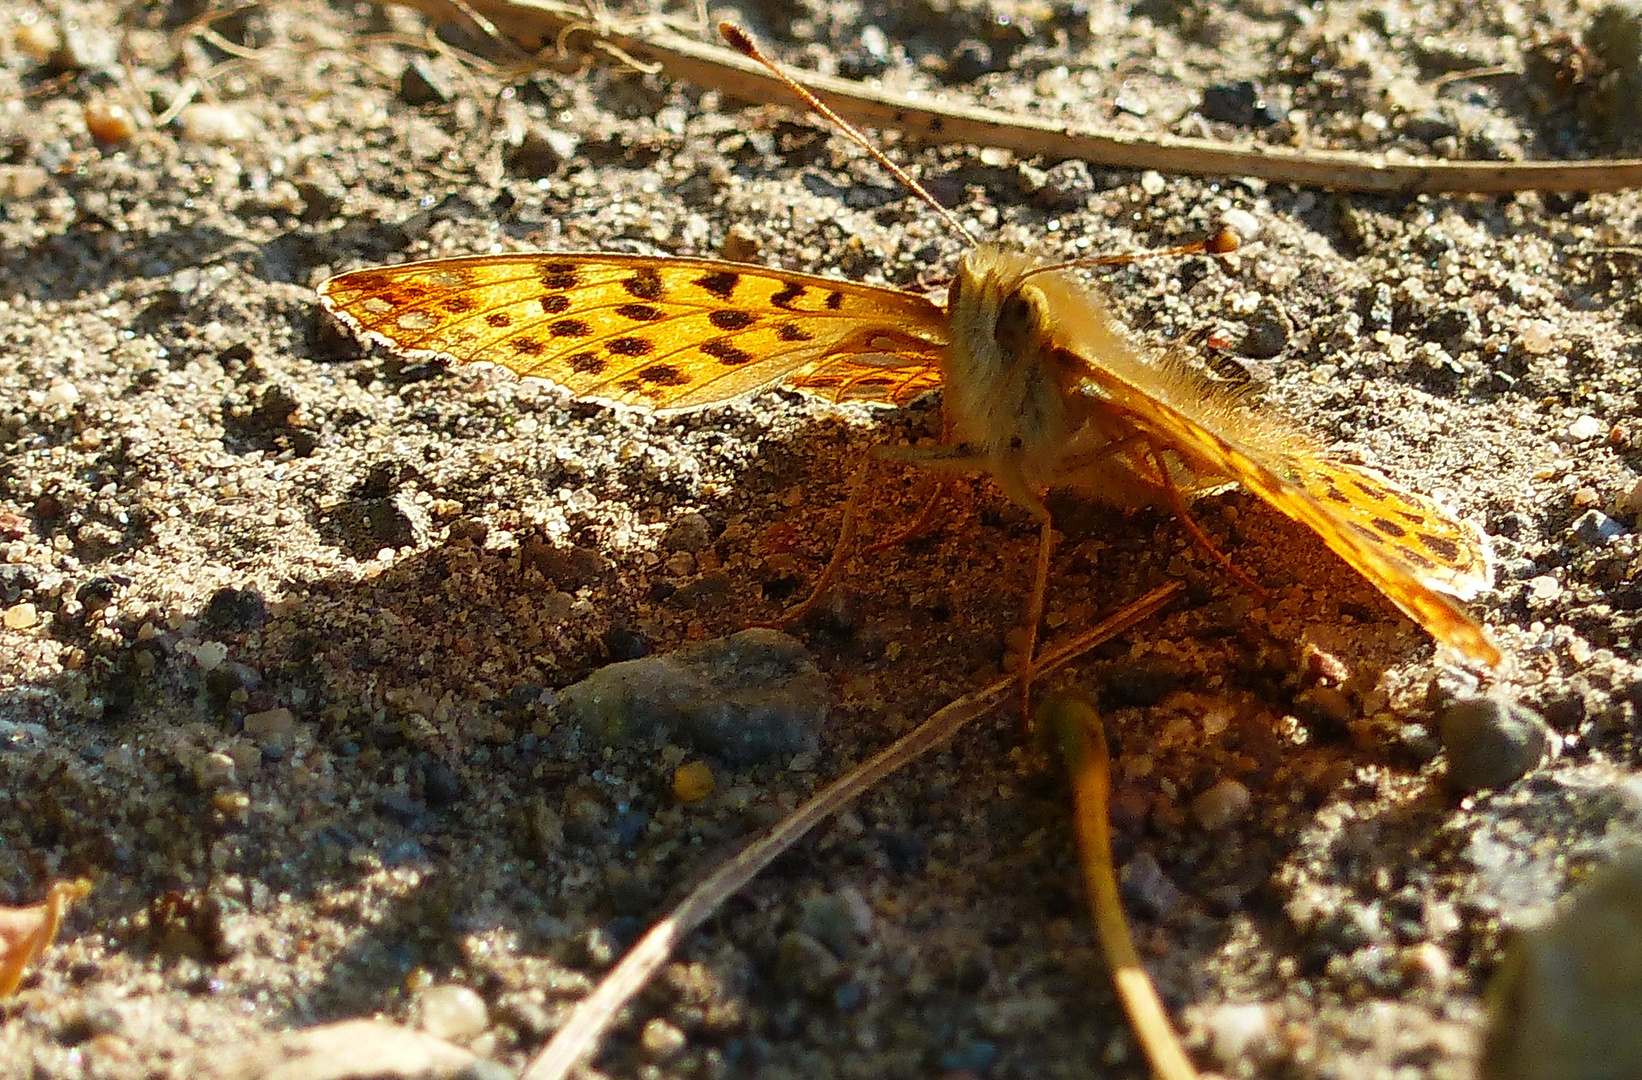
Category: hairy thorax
[1018,384]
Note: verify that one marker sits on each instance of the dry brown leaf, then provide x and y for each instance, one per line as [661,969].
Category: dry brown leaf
[26,931]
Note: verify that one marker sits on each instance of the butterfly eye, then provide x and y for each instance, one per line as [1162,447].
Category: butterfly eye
[1015,326]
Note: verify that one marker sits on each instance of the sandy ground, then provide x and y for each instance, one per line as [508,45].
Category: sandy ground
[285,620]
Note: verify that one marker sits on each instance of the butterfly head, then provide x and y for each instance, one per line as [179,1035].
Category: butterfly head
[1005,380]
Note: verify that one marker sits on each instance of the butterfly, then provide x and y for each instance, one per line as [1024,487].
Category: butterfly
[1042,386]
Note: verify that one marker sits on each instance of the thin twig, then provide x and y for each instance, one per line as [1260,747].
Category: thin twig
[537,24]
[595,1013]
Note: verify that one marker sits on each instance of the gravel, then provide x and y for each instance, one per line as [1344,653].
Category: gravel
[287,623]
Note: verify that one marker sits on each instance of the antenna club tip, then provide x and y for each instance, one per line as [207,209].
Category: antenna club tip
[738,38]
[1224,242]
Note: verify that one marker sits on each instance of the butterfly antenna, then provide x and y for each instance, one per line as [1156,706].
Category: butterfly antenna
[1223,242]
[742,43]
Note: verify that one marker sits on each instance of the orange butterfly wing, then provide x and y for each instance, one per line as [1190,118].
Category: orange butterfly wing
[1406,545]
[667,334]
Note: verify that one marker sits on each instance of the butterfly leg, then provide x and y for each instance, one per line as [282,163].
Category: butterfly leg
[1034,616]
[925,518]
[1177,502]
[1007,472]
[918,527]
[840,549]
[942,458]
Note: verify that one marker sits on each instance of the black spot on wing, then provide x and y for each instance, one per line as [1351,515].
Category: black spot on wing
[1440,546]
[639,312]
[732,319]
[1389,528]
[555,303]
[559,276]
[721,283]
[1374,492]
[788,295]
[792,332]
[586,363]
[725,353]
[569,328]
[631,346]
[664,375]
[645,284]
[500,320]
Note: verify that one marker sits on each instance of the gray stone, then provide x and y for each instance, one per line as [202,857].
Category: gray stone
[1567,1002]
[1490,742]
[750,698]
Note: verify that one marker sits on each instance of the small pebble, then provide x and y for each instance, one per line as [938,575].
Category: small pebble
[1146,887]
[441,784]
[803,963]
[1223,804]
[1067,186]
[452,1012]
[273,722]
[22,181]
[21,616]
[1586,427]
[1544,588]
[541,153]
[837,920]
[346,1050]
[1490,742]
[219,124]
[108,122]
[660,1040]
[740,243]
[1537,336]
[1326,705]
[1241,222]
[1153,183]
[692,782]
[236,609]
[1633,499]
[1427,965]
[87,45]
[1230,103]
[1265,339]
[422,84]
[213,771]
[1237,1032]
[692,533]
[37,38]
[875,41]
[62,395]
[1594,528]
[210,655]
